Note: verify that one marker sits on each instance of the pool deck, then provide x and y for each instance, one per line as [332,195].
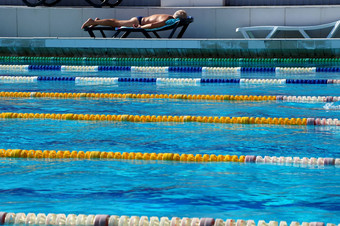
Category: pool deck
[100,47]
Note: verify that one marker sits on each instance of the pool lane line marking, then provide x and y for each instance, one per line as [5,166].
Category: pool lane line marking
[111,220]
[52,154]
[170,118]
[171,96]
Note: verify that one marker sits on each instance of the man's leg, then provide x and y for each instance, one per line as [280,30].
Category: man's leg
[111,22]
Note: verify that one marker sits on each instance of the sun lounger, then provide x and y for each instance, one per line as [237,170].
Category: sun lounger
[247,32]
[172,25]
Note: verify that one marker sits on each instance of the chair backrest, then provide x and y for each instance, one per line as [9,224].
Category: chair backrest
[186,21]
[183,22]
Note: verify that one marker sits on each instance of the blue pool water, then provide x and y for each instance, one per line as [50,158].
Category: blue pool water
[220,190]
[190,138]
[159,188]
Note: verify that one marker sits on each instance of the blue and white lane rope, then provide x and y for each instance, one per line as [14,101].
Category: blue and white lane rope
[179,81]
[114,220]
[166,69]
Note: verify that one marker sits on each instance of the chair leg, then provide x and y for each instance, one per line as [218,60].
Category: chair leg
[172,32]
[91,33]
[126,34]
[116,34]
[184,28]
[304,34]
[245,34]
[250,34]
[334,30]
[272,33]
[146,34]
[155,33]
[103,34]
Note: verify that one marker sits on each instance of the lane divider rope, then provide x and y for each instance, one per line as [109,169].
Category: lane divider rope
[114,220]
[172,96]
[52,154]
[177,60]
[165,118]
[159,81]
[166,69]
[18,79]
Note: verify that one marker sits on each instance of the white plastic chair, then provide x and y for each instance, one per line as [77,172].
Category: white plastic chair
[247,32]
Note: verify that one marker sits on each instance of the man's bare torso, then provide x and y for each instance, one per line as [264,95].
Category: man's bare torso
[156,18]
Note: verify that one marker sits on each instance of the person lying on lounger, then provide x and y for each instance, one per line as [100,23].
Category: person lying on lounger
[149,22]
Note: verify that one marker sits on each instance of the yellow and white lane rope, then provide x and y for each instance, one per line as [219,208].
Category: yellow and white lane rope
[172,96]
[53,154]
[170,118]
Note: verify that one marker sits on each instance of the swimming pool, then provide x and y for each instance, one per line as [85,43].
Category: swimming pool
[266,190]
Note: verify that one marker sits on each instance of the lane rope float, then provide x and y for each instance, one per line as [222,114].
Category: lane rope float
[171,96]
[114,220]
[160,81]
[18,79]
[170,118]
[166,69]
[52,154]
[108,60]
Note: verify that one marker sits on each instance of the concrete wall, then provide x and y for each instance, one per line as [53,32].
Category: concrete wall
[210,22]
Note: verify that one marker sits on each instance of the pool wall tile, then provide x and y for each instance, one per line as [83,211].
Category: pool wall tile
[170,47]
[191,44]
[304,47]
[325,46]
[274,46]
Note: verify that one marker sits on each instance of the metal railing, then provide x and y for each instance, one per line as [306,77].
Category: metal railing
[94,3]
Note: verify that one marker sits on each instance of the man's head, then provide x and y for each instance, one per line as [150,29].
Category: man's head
[181,14]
